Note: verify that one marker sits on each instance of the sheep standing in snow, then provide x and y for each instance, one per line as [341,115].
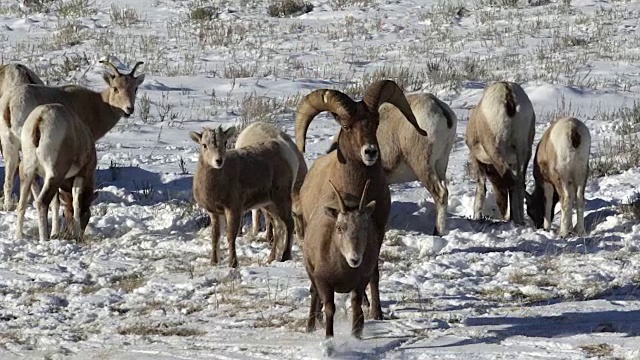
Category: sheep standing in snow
[356,159]
[100,111]
[408,156]
[500,136]
[259,132]
[59,147]
[341,252]
[232,182]
[560,171]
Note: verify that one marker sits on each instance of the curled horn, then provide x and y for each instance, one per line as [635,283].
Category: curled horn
[316,102]
[364,195]
[343,208]
[383,91]
[109,64]
[135,67]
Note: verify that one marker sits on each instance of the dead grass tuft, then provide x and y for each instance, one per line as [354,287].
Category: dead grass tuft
[161,329]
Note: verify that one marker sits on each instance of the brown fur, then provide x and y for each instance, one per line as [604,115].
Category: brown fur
[575,138]
[7,116]
[329,272]
[510,103]
[35,137]
[231,192]
[344,167]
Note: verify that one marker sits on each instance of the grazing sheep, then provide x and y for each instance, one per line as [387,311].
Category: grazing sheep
[341,251]
[407,156]
[259,132]
[12,75]
[232,182]
[560,172]
[58,146]
[100,111]
[356,159]
[500,136]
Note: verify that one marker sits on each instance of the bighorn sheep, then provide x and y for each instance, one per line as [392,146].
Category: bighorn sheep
[259,132]
[232,182]
[12,75]
[408,156]
[356,159]
[58,146]
[500,136]
[560,172]
[341,251]
[100,111]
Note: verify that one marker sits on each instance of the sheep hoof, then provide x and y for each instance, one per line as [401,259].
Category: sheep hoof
[357,333]
[286,256]
[376,314]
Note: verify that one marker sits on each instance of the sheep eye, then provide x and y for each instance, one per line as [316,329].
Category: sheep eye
[204,146]
[115,90]
[346,127]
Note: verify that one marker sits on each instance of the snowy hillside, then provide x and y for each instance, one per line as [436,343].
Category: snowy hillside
[142,287]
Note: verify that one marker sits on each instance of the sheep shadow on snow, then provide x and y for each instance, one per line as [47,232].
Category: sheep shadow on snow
[566,324]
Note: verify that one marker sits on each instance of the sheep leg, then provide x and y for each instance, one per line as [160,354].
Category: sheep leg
[313,309]
[76,193]
[289,225]
[579,229]
[270,235]
[357,317]
[26,179]
[255,219]
[548,205]
[481,190]
[55,217]
[439,193]
[375,311]
[566,200]
[327,296]
[233,222]
[215,238]
[49,190]
[298,224]
[11,161]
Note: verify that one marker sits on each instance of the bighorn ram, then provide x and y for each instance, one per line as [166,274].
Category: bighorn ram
[408,156]
[500,136]
[259,132]
[58,146]
[560,172]
[232,182]
[341,251]
[356,159]
[100,111]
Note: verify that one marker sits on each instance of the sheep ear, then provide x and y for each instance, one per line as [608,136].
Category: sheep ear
[370,207]
[230,132]
[195,136]
[331,212]
[108,77]
[139,79]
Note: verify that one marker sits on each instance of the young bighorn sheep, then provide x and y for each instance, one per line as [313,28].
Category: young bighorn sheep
[100,111]
[560,172]
[408,156]
[356,159]
[232,182]
[259,132]
[500,136]
[12,75]
[58,146]
[340,255]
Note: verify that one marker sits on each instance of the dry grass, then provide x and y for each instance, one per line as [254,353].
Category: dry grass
[631,208]
[597,350]
[288,8]
[128,283]
[161,329]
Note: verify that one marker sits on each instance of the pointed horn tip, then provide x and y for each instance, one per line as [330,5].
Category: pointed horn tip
[364,194]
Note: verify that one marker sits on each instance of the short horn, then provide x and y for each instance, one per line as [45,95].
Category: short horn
[135,67]
[364,195]
[388,91]
[109,64]
[343,208]
[316,102]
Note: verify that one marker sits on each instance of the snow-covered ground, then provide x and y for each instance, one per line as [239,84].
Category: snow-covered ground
[142,288]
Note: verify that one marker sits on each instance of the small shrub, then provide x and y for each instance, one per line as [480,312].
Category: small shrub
[284,8]
[161,329]
[203,14]
[124,17]
[631,208]
[615,156]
